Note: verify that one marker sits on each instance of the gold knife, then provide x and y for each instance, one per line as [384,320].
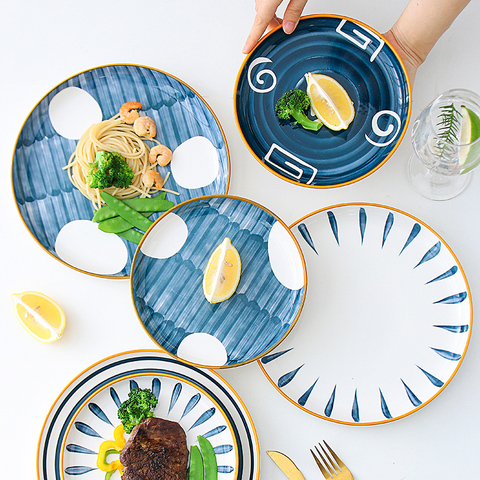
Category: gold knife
[286,465]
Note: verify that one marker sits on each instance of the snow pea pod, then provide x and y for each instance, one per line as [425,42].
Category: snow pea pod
[129,214]
[209,459]
[195,470]
[144,205]
[115,224]
[131,235]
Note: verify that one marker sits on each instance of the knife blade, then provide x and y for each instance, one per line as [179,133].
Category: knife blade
[286,465]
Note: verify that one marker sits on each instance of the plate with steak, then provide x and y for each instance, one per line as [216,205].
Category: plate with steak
[191,404]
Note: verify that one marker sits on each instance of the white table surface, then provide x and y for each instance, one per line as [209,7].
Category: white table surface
[200,42]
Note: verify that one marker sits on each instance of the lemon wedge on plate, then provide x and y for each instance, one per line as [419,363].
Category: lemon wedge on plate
[469,132]
[330,102]
[222,273]
[39,315]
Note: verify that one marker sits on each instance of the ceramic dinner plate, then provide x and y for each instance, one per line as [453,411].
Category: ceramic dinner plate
[386,321]
[367,68]
[84,415]
[55,212]
[167,276]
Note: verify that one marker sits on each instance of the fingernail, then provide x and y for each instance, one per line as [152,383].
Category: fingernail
[288,27]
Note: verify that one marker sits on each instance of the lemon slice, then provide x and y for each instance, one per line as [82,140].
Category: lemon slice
[39,315]
[469,132]
[222,273]
[330,102]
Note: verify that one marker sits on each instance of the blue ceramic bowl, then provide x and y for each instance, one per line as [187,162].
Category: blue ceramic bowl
[45,197]
[362,62]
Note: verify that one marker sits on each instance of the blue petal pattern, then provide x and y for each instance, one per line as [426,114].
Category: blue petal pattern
[412,397]
[177,390]
[447,274]
[303,399]
[435,381]
[224,469]
[86,429]
[97,411]
[220,449]
[432,253]
[78,470]
[115,397]
[454,328]
[383,404]
[413,233]
[452,299]
[331,402]
[454,357]
[274,356]
[215,431]
[388,227]
[156,387]
[302,228]
[362,220]
[355,409]
[79,449]
[288,377]
[204,417]
[191,404]
[133,384]
[333,225]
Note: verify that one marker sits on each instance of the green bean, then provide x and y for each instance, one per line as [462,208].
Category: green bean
[129,214]
[195,470]
[114,225]
[131,235]
[209,458]
[144,205]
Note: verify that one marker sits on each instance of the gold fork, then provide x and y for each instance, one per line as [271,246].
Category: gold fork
[331,468]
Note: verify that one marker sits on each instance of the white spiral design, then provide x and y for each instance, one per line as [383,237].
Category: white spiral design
[384,133]
[258,76]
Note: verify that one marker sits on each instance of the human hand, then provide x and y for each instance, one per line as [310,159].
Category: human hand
[409,58]
[266,19]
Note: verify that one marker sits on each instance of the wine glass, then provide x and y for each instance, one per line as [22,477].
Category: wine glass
[446,144]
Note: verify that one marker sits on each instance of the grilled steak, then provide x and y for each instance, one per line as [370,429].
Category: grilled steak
[155,450]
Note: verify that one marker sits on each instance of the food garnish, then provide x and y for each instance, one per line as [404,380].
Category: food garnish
[293,104]
[39,315]
[139,406]
[109,170]
[330,102]
[203,461]
[111,447]
[222,273]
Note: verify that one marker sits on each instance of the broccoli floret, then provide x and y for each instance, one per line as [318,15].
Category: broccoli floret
[293,103]
[109,170]
[137,407]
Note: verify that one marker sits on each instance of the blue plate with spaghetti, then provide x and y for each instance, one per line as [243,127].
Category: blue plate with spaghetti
[353,54]
[55,212]
[168,271]
[386,323]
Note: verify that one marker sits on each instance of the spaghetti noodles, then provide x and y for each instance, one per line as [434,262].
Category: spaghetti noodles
[112,135]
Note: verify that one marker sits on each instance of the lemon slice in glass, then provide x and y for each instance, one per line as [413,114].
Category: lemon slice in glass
[469,132]
[330,102]
[39,315]
[222,273]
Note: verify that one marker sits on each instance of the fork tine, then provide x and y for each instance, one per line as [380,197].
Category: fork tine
[320,466]
[327,460]
[335,456]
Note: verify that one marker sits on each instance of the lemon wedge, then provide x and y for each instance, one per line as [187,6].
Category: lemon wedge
[222,273]
[39,315]
[469,132]
[330,102]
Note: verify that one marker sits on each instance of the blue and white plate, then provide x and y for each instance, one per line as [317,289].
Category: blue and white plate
[386,323]
[362,62]
[167,276]
[47,201]
[84,415]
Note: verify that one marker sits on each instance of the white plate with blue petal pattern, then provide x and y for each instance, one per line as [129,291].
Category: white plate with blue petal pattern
[386,323]
[85,415]
[55,212]
[167,275]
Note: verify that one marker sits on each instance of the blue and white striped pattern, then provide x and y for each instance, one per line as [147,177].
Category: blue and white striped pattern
[168,293]
[200,400]
[45,197]
[418,275]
